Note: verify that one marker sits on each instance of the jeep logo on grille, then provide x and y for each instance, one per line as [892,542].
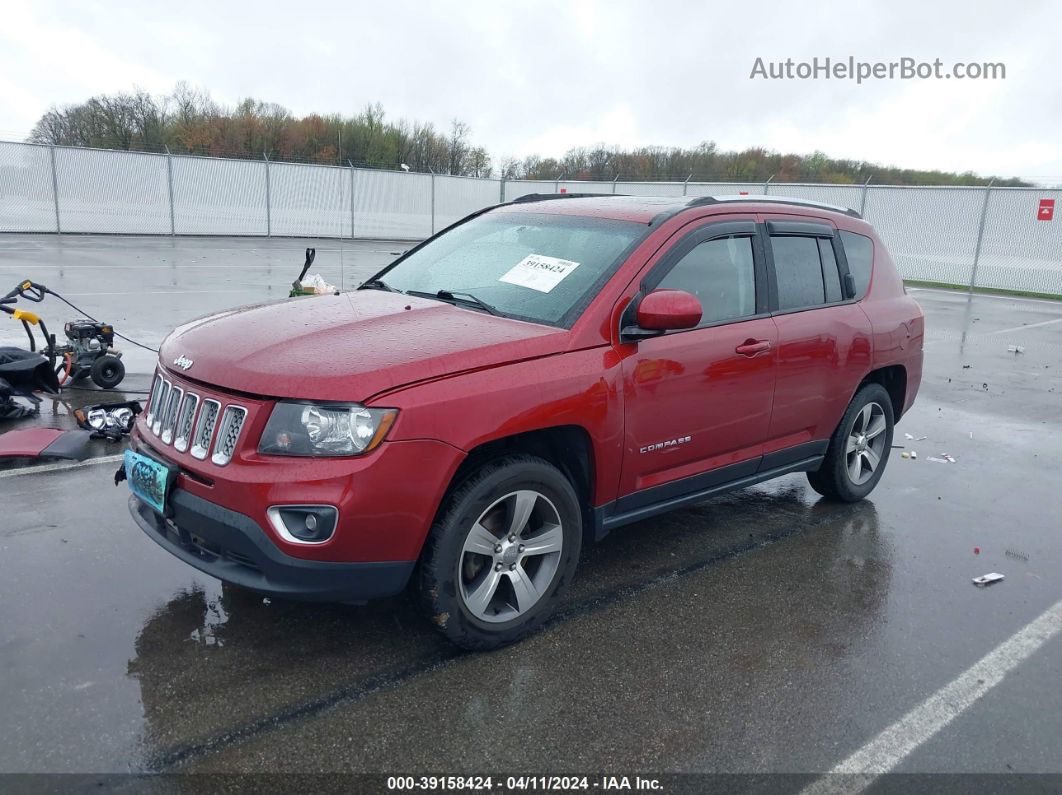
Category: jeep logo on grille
[183,362]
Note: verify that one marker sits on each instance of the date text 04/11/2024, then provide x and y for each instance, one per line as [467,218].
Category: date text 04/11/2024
[521,783]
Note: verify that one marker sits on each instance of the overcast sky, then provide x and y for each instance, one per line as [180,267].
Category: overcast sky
[542,77]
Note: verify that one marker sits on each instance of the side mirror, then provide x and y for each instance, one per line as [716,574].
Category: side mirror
[664,310]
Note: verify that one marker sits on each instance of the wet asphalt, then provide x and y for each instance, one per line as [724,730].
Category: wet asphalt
[764,631]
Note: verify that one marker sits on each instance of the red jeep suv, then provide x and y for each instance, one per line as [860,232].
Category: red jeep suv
[524,382]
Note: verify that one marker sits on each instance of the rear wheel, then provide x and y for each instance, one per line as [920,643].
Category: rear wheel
[859,448]
[502,553]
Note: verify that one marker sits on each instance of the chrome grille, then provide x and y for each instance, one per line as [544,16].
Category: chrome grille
[182,429]
[204,428]
[193,423]
[160,409]
[228,433]
[169,413]
[153,404]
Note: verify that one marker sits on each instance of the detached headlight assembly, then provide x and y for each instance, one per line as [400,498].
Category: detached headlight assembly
[324,429]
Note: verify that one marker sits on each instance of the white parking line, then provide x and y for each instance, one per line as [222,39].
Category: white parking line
[1028,325]
[58,466]
[963,295]
[889,748]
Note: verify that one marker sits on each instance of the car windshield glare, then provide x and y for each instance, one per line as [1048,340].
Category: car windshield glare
[538,267]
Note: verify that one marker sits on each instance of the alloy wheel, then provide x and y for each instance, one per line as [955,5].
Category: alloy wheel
[510,556]
[865,445]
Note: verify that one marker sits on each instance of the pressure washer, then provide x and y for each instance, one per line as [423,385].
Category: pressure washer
[87,352]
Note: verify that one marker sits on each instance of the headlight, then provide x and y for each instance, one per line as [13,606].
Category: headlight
[324,429]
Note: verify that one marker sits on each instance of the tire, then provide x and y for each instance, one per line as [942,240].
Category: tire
[849,472]
[472,601]
[107,372]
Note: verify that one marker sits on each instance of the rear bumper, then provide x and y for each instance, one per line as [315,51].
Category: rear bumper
[232,547]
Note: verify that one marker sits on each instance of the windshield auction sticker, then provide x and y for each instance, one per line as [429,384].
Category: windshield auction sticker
[539,272]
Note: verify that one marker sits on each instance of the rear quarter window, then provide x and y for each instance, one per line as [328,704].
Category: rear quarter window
[859,250]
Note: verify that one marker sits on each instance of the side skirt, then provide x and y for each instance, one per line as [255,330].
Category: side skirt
[610,516]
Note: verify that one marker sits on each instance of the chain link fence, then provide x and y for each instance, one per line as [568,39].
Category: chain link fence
[987,237]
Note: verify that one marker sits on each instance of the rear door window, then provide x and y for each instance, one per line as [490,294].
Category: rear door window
[798,272]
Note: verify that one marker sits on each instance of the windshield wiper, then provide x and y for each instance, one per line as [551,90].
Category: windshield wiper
[452,294]
[457,295]
[378,284]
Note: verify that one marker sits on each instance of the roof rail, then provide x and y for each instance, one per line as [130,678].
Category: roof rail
[542,197]
[765,199]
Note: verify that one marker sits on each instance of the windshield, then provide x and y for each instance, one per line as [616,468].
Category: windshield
[531,266]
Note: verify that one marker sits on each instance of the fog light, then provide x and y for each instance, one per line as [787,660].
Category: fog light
[304,524]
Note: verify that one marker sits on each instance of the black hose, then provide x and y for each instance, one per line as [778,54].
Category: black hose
[36,293]
[90,317]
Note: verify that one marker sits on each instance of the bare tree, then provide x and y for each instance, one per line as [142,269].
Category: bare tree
[477,163]
[51,128]
[458,146]
[150,119]
[509,168]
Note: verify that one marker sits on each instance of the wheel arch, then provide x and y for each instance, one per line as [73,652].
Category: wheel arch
[567,447]
[894,379]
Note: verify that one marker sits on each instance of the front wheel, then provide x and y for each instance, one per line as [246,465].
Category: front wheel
[502,553]
[859,448]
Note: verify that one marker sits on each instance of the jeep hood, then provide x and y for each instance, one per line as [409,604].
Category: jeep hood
[349,346]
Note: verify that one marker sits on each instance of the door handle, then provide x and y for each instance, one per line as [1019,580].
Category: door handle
[751,347]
